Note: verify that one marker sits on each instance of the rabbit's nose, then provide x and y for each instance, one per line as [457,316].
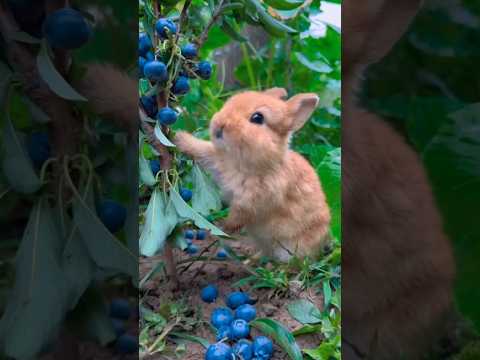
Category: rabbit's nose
[219,132]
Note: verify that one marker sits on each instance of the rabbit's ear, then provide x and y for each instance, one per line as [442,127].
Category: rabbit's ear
[300,108]
[279,93]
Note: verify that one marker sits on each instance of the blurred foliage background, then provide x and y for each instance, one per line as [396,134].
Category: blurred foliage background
[428,87]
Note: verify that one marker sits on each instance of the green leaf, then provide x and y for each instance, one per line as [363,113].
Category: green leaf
[52,77]
[284,4]
[38,302]
[270,24]
[146,174]
[185,211]
[206,196]
[304,312]
[161,136]
[280,334]
[24,37]
[205,343]
[37,114]
[105,249]
[326,351]
[229,26]
[17,166]
[327,293]
[160,220]
[317,65]
[308,329]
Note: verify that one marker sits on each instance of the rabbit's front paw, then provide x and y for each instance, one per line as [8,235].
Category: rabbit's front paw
[183,141]
[231,227]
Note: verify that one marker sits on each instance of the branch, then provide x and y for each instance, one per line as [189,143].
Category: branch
[216,15]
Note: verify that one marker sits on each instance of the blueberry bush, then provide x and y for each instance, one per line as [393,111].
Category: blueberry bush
[185,75]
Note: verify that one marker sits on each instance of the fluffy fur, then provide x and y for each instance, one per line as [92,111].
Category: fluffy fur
[397,263]
[273,191]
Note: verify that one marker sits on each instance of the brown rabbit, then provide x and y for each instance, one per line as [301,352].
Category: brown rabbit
[273,192]
[397,263]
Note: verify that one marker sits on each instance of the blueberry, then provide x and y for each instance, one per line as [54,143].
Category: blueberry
[189,51]
[150,56]
[167,116]
[240,329]
[201,234]
[221,317]
[189,234]
[144,44]
[246,312]
[38,148]
[237,298]
[149,104]
[66,29]
[181,86]
[192,249]
[219,351]
[155,166]
[112,215]
[155,71]
[120,309]
[224,332]
[204,70]
[222,254]
[209,293]
[243,349]
[127,344]
[165,27]
[262,347]
[118,327]
[141,65]
[186,194]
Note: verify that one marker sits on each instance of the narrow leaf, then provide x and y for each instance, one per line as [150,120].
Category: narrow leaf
[280,334]
[304,312]
[205,343]
[52,77]
[161,136]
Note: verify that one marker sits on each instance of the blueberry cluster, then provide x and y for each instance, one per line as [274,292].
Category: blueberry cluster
[157,66]
[233,329]
[120,313]
[190,236]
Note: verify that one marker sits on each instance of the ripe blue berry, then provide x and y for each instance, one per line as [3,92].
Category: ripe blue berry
[120,309]
[141,65]
[189,234]
[38,148]
[149,104]
[186,194]
[66,29]
[144,44]
[112,215]
[262,347]
[155,166]
[201,234]
[221,317]
[192,249]
[240,329]
[167,116]
[150,56]
[155,71]
[181,86]
[118,327]
[219,351]
[189,51]
[243,349]
[165,27]
[127,344]
[224,332]
[204,70]
[246,312]
[209,293]
[237,298]
[222,254]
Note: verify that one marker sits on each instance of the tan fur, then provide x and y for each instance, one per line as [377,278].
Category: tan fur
[112,94]
[397,264]
[273,191]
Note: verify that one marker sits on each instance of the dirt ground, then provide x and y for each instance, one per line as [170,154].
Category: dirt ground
[222,274]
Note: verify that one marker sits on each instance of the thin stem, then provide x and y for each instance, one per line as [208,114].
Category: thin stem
[248,64]
[215,17]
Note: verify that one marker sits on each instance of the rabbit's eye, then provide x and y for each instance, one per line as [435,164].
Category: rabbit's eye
[257,118]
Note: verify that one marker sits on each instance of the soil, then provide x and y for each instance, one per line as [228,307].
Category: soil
[222,274]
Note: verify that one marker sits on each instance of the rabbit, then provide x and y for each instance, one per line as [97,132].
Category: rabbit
[397,263]
[273,191]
